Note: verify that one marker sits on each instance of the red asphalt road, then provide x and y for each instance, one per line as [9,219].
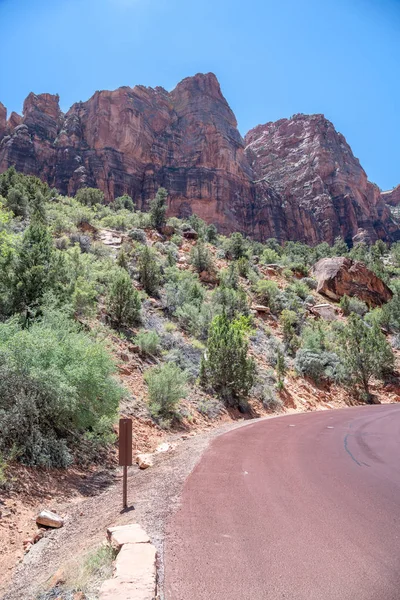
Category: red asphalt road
[302,507]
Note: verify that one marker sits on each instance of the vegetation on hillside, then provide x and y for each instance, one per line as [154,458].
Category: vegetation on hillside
[63,293]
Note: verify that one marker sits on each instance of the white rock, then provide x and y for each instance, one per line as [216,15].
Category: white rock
[144,461]
[49,519]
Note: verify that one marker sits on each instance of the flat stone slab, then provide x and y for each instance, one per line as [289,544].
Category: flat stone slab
[127,534]
[136,562]
[121,589]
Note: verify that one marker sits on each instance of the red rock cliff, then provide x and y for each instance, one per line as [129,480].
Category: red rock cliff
[324,190]
[295,179]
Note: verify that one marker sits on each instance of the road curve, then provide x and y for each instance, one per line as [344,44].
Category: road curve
[302,507]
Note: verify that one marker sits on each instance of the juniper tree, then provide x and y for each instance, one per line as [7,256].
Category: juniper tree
[226,365]
[158,208]
[365,352]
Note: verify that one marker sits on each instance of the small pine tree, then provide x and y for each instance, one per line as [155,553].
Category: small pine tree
[33,272]
[123,302]
[122,260]
[149,271]
[226,364]
[158,208]
[280,369]
[211,234]
[200,257]
[237,246]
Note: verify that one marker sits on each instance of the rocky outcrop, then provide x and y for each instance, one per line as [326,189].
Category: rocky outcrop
[392,197]
[322,186]
[294,179]
[339,276]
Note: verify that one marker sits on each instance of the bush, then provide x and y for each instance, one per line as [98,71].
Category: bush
[148,342]
[232,302]
[149,270]
[365,352]
[353,305]
[138,235]
[182,287]
[158,208]
[311,283]
[270,257]
[268,294]
[123,303]
[289,322]
[167,386]
[90,196]
[236,246]
[226,365]
[211,234]
[243,266]
[177,240]
[123,202]
[299,288]
[318,365]
[56,385]
[200,257]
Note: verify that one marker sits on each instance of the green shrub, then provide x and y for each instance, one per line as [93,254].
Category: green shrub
[167,386]
[364,351]
[232,302]
[226,365]
[211,234]
[177,240]
[123,202]
[182,287]
[149,270]
[236,246]
[353,305]
[158,208]
[290,322]
[148,342]
[243,266]
[280,369]
[318,365]
[138,235]
[200,257]
[123,303]
[90,196]
[268,293]
[299,288]
[270,257]
[56,384]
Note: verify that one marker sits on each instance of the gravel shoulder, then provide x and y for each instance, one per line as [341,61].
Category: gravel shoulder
[153,495]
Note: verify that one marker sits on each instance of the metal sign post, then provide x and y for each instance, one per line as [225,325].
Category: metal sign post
[125,454]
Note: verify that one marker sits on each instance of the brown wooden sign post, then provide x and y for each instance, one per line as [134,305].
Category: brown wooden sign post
[125,454]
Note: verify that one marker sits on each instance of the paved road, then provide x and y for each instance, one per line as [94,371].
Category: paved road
[303,507]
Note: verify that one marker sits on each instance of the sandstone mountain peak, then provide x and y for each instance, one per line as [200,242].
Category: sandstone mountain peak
[294,178]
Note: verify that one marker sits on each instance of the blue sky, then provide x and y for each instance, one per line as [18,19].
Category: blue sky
[273,58]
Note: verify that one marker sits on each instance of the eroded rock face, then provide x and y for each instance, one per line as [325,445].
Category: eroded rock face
[340,275]
[295,179]
[323,188]
[392,197]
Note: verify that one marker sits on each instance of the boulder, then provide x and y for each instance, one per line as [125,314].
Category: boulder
[144,461]
[325,311]
[190,234]
[49,519]
[260,308]
[341,275]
